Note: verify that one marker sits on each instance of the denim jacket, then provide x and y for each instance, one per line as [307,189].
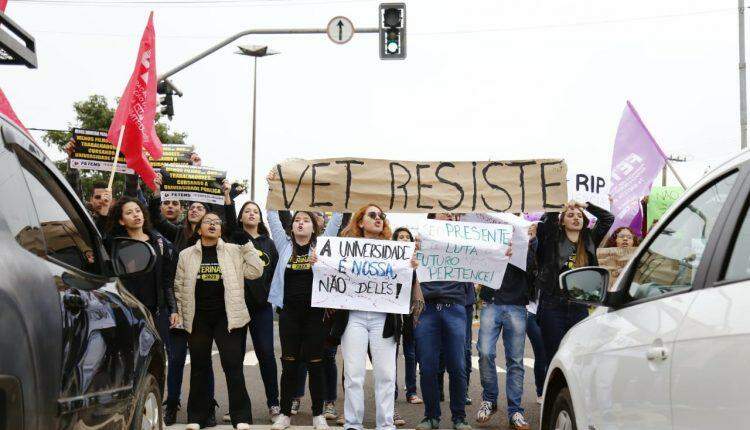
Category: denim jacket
[284,246]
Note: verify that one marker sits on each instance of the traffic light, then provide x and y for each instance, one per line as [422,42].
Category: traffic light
[166,100]
[392,31]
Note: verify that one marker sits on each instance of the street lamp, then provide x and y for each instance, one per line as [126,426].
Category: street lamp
[254,51]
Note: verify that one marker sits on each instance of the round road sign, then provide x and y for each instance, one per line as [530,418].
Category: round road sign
[340,30]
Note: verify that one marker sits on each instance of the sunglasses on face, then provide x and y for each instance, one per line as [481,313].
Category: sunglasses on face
[375,215]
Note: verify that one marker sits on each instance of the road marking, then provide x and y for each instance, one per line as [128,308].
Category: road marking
[250,359]
[475,364]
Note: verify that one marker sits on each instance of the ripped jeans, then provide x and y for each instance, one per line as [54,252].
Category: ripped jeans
[302,337]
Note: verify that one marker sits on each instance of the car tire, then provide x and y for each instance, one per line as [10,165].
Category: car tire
[562,416]
[148,413]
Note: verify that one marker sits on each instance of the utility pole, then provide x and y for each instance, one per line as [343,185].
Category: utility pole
[743,83]
[664,169]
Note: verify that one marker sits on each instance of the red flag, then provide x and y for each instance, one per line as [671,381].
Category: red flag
[137,111]
[7,110]
[3,3]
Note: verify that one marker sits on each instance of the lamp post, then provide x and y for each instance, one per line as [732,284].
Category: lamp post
[254,51]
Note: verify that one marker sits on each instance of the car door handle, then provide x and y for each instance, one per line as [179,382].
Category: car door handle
[657,353]
[73,302]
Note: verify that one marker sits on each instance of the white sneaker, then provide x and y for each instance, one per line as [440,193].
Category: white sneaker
[486,411]
[539,400]
[193,426]
[319,423]
[243,426]
[273,412]
[282,422]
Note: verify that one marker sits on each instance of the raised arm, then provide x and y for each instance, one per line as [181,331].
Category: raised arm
[280,239]
[332,229]
[604,221]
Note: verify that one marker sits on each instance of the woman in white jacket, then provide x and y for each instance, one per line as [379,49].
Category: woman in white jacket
[209,286]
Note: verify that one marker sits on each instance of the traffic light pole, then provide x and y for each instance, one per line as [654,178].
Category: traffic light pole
[231,39]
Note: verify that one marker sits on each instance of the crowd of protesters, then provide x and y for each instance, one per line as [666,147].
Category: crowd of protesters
[221,274]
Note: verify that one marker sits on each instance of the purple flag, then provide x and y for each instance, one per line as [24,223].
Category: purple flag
[636,161]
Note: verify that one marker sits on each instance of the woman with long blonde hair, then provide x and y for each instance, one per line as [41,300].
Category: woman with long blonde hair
[379,331]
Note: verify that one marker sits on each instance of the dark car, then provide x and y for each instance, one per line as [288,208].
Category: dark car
[76,349]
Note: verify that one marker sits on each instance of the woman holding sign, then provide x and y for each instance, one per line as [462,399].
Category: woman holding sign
[301,327]
[210,289]
[360,330]
[565,242]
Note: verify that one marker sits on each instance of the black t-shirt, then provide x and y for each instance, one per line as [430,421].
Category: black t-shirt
[567,251]
[298,277]
[209,286]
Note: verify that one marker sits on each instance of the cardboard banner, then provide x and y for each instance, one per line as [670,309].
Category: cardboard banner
[520,239]
[172,154]
[660,199]
[93,151]
[614,260]
[363,275]
[345,185]
[192,183]
[463,252]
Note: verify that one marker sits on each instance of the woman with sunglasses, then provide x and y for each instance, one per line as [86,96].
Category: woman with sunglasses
[210,289]
[360,330]
[301,327]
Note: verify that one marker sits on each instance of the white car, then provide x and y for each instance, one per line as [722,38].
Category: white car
[669,345]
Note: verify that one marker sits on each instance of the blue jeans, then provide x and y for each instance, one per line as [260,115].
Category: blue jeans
[178,343]
[442,327]
[330,371]
[261,331]
[537,345]
[511,321]
[410,368]
[467,351]
[556,316]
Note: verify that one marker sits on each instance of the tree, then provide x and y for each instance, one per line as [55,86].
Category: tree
[95,113]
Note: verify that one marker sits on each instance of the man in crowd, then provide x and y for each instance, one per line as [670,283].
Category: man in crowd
[99,204]
[504,310]
[172,210]
[442,327]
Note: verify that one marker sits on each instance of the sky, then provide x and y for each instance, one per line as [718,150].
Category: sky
[495,79]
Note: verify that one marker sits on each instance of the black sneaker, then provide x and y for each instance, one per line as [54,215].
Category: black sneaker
[170,414]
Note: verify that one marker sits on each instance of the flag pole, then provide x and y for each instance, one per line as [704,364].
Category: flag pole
[117,155]
[671,167]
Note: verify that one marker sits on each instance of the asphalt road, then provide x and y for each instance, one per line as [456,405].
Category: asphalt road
[413,414]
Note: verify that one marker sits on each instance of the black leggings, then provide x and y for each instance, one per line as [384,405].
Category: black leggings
[207,327]
[302,337]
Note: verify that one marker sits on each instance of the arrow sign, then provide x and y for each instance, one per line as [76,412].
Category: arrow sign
[340,30]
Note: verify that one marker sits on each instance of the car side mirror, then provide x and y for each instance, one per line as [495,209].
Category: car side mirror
[132,257]
[587,285]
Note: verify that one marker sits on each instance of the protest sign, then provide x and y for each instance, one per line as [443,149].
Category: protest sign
[173,154]
[585,186]
[614,260]
[520,239]
[192,183]
[363,274]
[410,186]
[464,252]
[92,151]
[660,199]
